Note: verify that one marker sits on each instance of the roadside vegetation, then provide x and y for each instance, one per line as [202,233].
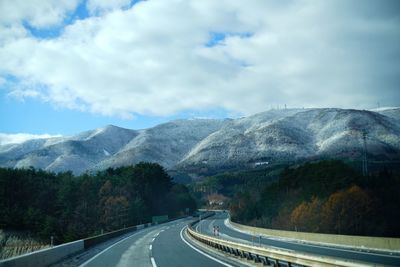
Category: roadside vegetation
[324,197]
[14,244]
[70,207]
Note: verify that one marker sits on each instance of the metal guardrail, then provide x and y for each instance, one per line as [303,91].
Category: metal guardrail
[268,256]
[389,244]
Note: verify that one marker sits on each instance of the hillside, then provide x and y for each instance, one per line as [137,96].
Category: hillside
[299,134]
[200,145]
[325,197]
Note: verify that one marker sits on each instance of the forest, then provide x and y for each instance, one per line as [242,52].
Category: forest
[71,207]
[325,197]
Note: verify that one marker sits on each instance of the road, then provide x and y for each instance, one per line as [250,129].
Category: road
[160,245]
[206,226]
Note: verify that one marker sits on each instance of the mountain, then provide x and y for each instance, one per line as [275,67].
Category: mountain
[167,143]
[77,153]
[271,136]
[298,134]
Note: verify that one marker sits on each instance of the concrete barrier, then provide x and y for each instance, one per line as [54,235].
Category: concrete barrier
[268,255]
[44,257]
[378,243]
[52,255]
[92,241]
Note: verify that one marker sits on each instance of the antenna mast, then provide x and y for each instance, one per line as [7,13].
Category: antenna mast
[365,161]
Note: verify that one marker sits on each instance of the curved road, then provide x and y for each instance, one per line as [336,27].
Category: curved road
[206,226]
[163,245]
[160,245]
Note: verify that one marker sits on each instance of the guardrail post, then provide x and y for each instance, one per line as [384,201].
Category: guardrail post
[265,254]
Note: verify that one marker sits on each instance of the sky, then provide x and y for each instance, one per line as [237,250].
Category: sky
[68,66]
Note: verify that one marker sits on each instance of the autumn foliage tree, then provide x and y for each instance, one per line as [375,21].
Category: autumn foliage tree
[348,212]
[70,207]
[306,217]
[327,197]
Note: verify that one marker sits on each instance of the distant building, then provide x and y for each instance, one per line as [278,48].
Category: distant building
[216,200]
[261,163]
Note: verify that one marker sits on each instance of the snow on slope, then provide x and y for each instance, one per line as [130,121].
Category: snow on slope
[77,153]
[274,135]
[166,143]
[306,133]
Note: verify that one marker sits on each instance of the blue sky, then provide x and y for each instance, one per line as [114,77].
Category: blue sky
[36,117]
[71,66]
[30,115]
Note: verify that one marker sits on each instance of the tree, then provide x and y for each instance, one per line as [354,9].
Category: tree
[347,212]
[307,216]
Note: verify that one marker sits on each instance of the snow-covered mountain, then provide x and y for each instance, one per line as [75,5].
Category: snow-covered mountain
[299,134]
[77,153]
[274,135]
[166,143]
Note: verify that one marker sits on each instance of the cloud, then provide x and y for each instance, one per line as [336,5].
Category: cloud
[18,138]
[38,13]
[156,59]
[102,6]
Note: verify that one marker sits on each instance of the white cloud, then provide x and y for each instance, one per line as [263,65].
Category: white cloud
[18,138]
[38,13]
[102,6]
[152,58]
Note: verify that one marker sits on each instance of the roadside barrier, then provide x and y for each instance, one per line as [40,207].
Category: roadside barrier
[44,257]
[268,256]
[55,254]
[370,242]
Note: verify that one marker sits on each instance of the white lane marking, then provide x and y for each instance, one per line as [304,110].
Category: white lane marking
[201,252]
[197,226]
[151,247]
[98,255]
[227,224]
[153,262]
[110,247]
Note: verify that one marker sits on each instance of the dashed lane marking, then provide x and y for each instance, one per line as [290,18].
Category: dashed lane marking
[153,262]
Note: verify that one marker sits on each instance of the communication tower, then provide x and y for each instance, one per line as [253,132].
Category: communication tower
[365,160]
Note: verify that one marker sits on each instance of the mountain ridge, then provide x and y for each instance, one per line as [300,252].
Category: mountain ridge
[274,135]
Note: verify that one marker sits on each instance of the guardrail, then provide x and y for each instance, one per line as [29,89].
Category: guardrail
[266,255]
[54,254]
[370,242]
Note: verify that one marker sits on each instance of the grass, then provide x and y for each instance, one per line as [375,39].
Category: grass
[13,244]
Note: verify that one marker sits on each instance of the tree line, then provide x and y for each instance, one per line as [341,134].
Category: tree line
[71,207]
[325,197]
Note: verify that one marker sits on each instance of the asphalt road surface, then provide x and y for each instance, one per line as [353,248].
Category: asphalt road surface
[207,225]
[160,245]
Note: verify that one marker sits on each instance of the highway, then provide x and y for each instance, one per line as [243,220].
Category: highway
[164,245]
[161,245]
[206,226]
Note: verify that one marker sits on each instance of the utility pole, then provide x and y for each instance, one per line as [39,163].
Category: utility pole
[365,162]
